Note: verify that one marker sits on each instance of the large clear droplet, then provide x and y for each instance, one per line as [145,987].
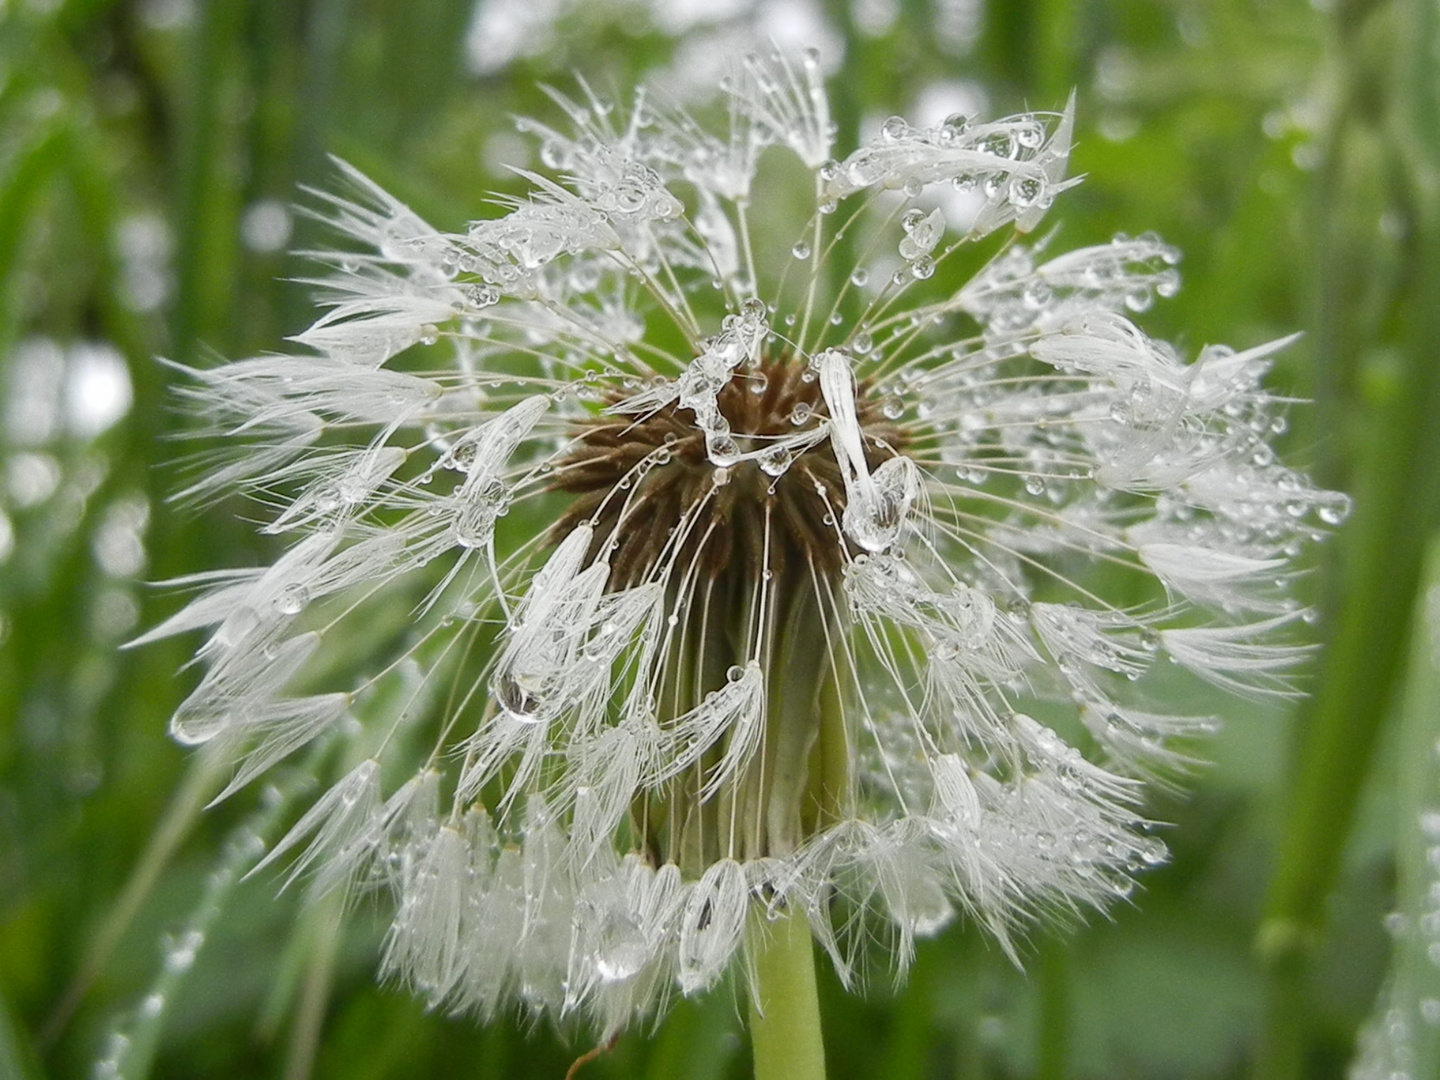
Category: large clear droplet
[925,907]
[621,950]
[894,129]
[292,599]
[519,704]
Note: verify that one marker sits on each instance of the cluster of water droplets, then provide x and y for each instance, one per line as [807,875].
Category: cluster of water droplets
[698,390]
[127,1050]
[1017,292]
[922,232]
[1016,165]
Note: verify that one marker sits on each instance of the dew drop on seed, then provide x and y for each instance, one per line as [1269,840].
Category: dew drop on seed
[621,952]
[1139,299]
[1336,509]
[292,599]
[894,129]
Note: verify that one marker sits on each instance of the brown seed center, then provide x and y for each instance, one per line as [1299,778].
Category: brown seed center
[648,483]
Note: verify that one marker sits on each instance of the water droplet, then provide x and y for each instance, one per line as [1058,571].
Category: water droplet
[482,296]
[925,908]
[292,599]
[180,956]
[775,460]
[1025,191]
[1036,295]
[954,127]
[1152,852]
[923,267]
[801,250]
[998,144]
[722,450]
[429,334]
[859,277]
[736,673]
[894,129]
[1139,299]
[328,498]
[518,703]
[1335,509]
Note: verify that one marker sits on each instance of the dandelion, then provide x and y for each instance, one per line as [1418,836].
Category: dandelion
[680,585]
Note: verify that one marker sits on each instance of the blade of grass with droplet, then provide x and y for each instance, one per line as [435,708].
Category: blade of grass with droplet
[1397,504]
[1402,1037]
[128,1053]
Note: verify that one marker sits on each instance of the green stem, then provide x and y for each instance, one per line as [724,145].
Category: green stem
[1053,978]
[784,1004]
[1397,506]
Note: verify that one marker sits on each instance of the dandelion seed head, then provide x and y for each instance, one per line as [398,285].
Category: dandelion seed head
[720,576]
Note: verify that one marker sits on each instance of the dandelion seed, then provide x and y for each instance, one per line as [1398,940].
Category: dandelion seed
[690,578]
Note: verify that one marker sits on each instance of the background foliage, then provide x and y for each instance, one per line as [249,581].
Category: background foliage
[150,154]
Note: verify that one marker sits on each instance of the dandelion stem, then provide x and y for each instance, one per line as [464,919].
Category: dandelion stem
[784,1004]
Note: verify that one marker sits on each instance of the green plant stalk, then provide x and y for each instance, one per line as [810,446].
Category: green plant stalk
[201,783]
[1053,984]
[1397,506]
[784,1002]
[325,933]
[1415,980]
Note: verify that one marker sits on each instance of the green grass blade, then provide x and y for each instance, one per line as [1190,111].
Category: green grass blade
[1403,1035]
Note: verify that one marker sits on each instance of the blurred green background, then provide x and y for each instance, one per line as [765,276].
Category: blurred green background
[151,154]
